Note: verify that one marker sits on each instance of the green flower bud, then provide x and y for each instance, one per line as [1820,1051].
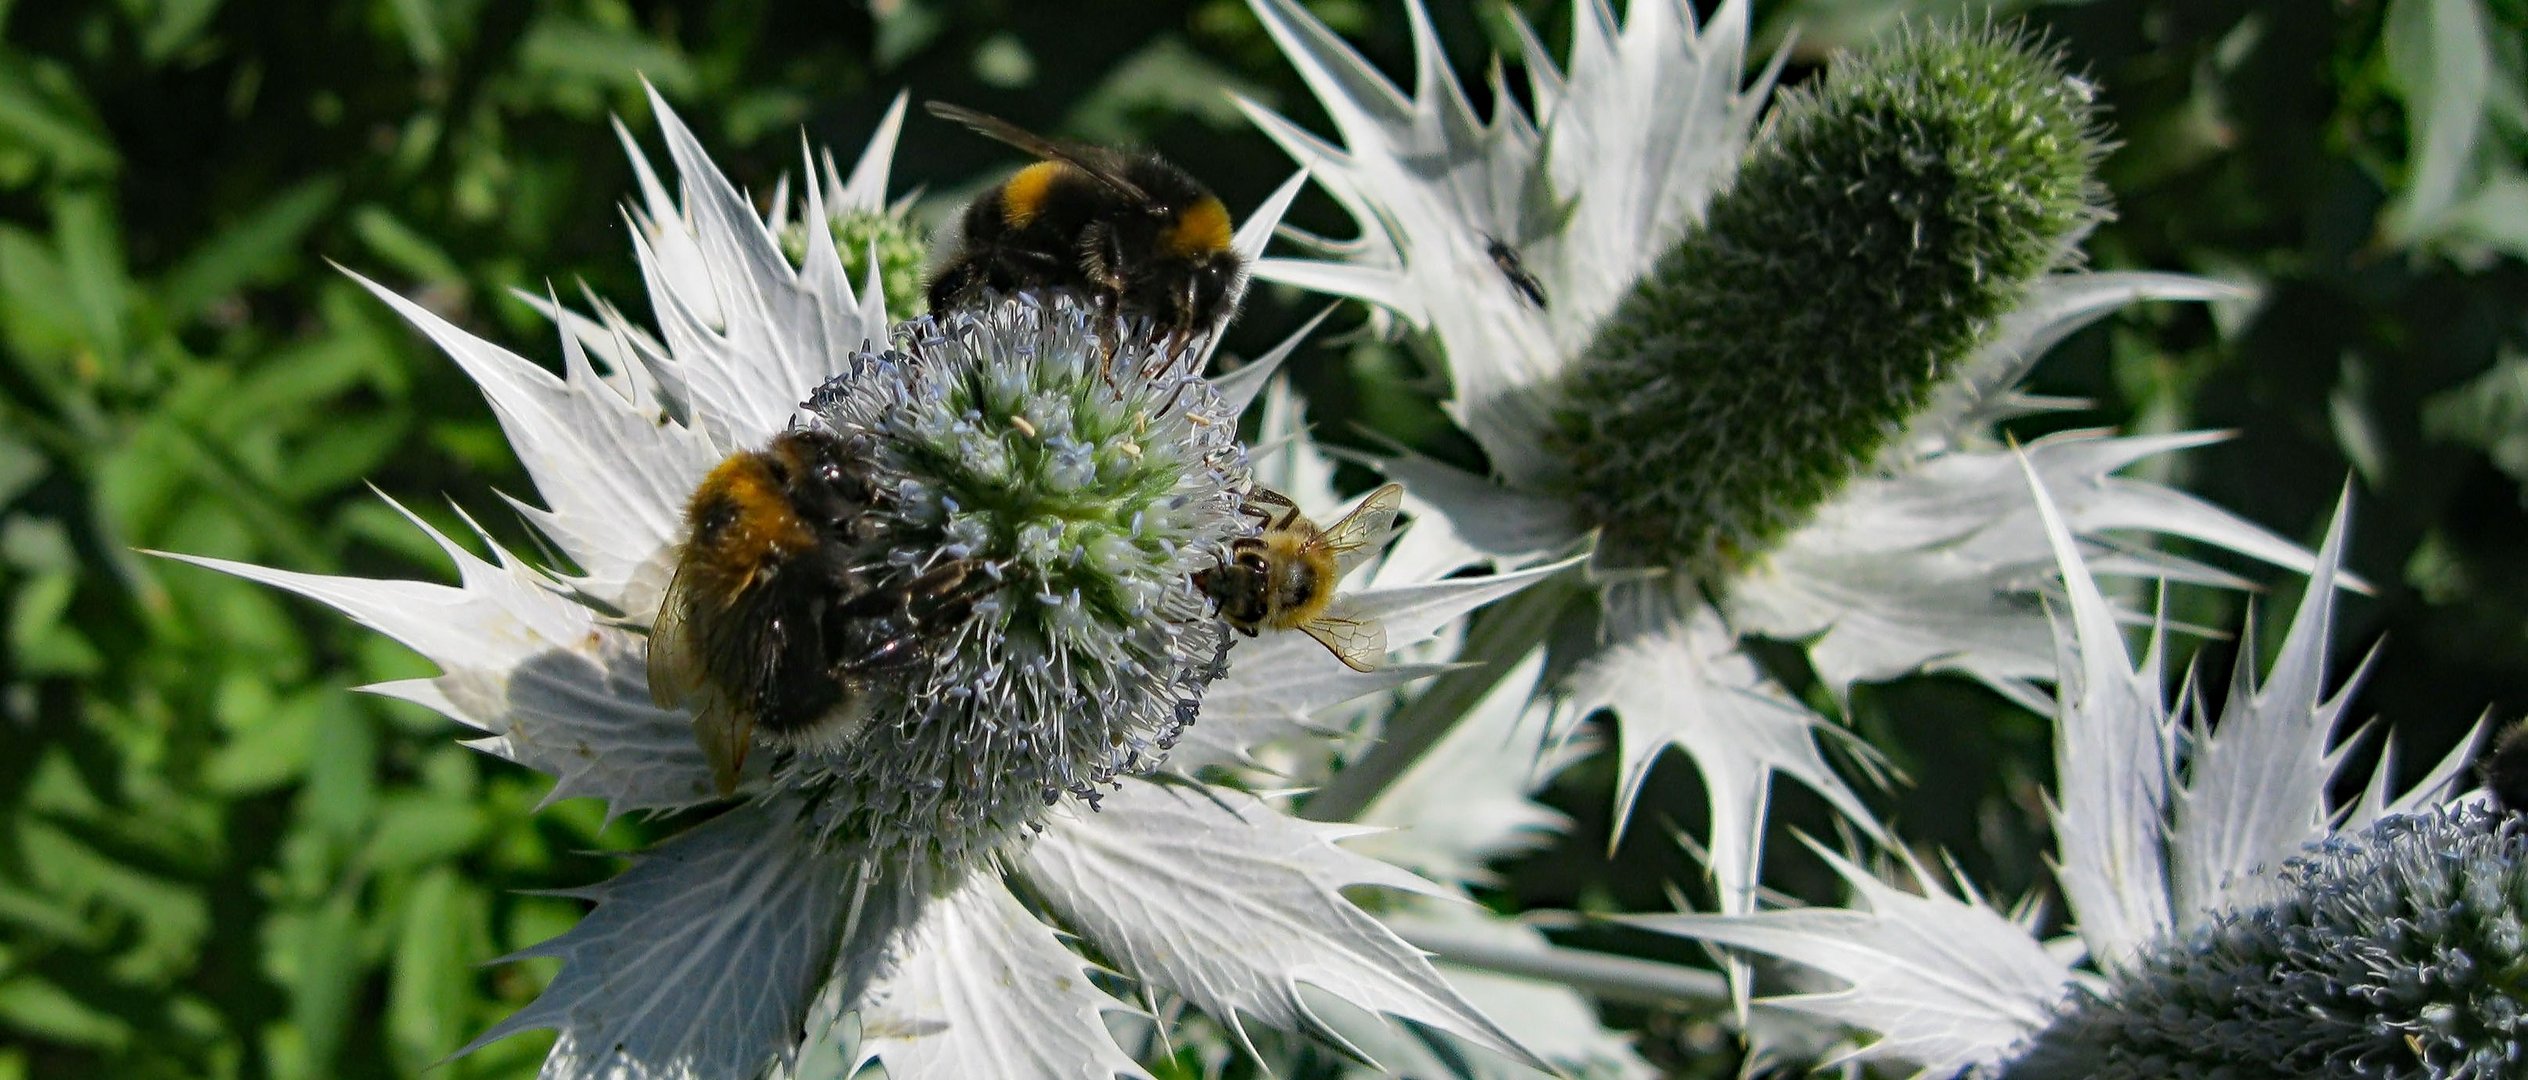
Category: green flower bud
[1871,239]
[902,250]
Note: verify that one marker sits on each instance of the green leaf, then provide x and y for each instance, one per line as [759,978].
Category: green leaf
[44,644]
[420,26]
[92,265]
[387,237]
[21,467]
[44,916]
[340,455]
[37,545]
[64,131]
[261,247]
[569,51]
[1168,78]
[430,988]
[30,1004]
[165,920]
[37,315]
[341,789]
[316,954]
[268,743]
[294,384]
[174,25]
[2490,413]
[2441,64]
[416,830]
[2495,216]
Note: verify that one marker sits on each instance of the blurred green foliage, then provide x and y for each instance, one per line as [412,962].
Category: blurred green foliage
[216,860]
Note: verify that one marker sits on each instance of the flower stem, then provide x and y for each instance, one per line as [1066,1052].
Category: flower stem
[1602,975]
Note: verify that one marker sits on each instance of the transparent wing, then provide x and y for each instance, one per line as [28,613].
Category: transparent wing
[724,732]
[1099,163]
[675,658]
[1365,530]
[1351,634]
[677,680]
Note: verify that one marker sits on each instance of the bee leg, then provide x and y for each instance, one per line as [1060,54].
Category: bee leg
[1100,256]
[1165,407]
[1174,350]
[1269,497]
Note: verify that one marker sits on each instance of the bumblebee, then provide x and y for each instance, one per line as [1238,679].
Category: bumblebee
[1283,577]
[1512,267]
[1130,230]
[783,615]
[2505,770]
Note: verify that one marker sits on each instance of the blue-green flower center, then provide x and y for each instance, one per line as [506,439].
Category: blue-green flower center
[1091,488]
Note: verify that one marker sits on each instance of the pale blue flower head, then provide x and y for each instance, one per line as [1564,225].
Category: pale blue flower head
[1089,483]
[861,901]
[2398,950]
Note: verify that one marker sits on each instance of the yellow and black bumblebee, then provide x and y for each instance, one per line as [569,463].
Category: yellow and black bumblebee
[784,616]
[1136,234]
[1283,577]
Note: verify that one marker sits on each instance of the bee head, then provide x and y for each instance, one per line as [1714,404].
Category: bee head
[1196,237]
[1209,289]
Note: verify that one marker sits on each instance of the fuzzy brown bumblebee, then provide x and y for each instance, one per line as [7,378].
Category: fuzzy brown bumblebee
[1283,577]
[1132,232]
[784,614]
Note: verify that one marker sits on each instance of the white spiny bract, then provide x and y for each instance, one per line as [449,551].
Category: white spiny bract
[1918,553]
[2182,846]
[788,931]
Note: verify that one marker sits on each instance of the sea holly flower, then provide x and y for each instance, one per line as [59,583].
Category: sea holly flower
[867,894]
[2228,921]
[1763,370]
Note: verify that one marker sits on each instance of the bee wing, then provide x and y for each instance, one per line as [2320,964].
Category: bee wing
[1353,635]
[675,658]
[1098,162]
[724,732]
[676,679]
[1365,530]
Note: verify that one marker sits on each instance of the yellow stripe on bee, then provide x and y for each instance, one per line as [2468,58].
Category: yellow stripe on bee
[1198,230]
[762,525]
[1023,197]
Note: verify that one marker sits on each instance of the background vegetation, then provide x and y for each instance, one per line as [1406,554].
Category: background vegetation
[217,861]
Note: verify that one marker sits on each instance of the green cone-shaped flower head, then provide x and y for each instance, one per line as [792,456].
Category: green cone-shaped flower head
[2400,951]
[1871,239]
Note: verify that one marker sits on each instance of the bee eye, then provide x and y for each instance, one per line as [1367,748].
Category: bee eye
[1253,563]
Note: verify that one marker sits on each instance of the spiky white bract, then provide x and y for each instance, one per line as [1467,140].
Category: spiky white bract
[1925,560]
[2164,821]
[726,949]
[1462,804]
[1465,803]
